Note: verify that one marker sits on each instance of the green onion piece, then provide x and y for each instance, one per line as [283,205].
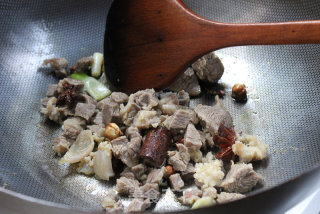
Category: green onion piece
[203,202]
[95,88]
[96,64]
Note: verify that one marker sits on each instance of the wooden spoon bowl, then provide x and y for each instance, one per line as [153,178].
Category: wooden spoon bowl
[148,43]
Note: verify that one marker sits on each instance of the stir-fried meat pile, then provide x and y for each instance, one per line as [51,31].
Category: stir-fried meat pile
[157,140]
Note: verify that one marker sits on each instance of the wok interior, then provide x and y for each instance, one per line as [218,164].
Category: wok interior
[283,84]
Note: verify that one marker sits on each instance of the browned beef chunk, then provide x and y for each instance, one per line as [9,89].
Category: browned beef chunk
[241,178]
[119,97]
[85,111]
[68,83]
[155,176]
[168,103]
[52,90]
[146,119]
[87,99]
[61,145]
[111,112]
[192,138]
[72,127]
[97,132]
[139,170]
[187,81]
[179,159]
[133,145]
[211,117]
[209,68]
[126,186]
[176,182]
[178,122]
[127,173]
[59,66]
[127,151]
[97,119]
[83,65]
[52,112]
[141,100]
[187,175]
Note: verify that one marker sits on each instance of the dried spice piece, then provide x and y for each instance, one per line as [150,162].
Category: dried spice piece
[168,171]
[155,146]
[69,96]
[225,138]
[226,154]
[239,93]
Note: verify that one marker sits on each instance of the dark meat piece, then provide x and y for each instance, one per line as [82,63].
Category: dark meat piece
[156,175]
[192,138]
[126,186]
[168,103]
[97,119]
[97,132]
[179,159]
[111,112]
[145,100]
[127,151]
[72,127]
[139,170]
[212,116]
[59,66]
[68,83]
[146,119]
[171,102]
[83,65]
[176,182]
[87,99]
[187,81]
[61,145]
[52,90]
[209,68]
[241,178]
[133,146]
[187,175]
[52,111]
[85,111]
[155,146]
[119,97]
[178,122]
[127,173]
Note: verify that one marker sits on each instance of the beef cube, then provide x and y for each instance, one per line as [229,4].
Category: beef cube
[85,111]
[241,178]
[176,182]
[52,90]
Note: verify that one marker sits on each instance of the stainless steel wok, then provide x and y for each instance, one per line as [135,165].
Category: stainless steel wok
[283,107]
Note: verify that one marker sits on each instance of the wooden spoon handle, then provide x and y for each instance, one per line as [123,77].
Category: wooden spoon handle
[300,32]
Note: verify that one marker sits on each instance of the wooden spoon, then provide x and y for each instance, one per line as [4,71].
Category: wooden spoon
[148,43]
